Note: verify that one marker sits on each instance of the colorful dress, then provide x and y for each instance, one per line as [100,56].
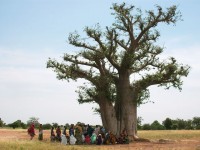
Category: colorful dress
[31,131]
[87,139]
[78,135]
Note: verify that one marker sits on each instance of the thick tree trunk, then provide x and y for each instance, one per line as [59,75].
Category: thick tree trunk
[108,116]
[124,115]
[128,106]
[130,119]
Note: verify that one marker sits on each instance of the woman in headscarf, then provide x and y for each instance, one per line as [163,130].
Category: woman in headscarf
[31,131]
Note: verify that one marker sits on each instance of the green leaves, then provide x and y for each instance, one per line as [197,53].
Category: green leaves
[128,46]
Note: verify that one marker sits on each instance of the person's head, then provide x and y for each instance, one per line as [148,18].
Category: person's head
[52,128]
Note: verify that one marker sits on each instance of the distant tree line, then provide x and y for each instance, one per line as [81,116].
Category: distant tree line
[35,120]
[20,124]
[170,124]
[167,124]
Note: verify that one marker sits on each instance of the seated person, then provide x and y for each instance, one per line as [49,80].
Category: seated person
[93,138]
[123,138]
[87,139]
[99,139]
[112,138]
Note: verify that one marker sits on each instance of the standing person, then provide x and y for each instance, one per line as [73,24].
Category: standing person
[52,134]
[64,131]
[31,131]
[40,136]
[84,130]
[71,130]
[90,130]
[78,134]
[96,130]
[58,133]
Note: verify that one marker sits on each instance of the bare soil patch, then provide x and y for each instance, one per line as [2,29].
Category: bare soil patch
[156,144]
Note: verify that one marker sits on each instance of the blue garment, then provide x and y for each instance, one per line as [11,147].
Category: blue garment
[71,131]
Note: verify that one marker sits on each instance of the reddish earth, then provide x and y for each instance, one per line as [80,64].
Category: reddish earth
[192,144]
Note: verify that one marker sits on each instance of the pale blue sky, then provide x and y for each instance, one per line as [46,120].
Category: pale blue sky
[31,31]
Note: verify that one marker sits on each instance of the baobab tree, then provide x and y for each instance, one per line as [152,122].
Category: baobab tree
[110,57]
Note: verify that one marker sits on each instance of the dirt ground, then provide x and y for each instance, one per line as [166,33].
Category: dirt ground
[161,144]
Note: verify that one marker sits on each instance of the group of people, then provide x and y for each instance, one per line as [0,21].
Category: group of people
[31,132]
[86,134]
[81,134]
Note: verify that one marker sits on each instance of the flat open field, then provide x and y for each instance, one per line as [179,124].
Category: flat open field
[17,139]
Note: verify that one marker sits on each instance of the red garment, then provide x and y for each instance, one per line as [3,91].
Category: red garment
[87,139]
[31,130]
[58,132]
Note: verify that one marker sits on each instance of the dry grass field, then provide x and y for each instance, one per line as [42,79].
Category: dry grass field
[159,140]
